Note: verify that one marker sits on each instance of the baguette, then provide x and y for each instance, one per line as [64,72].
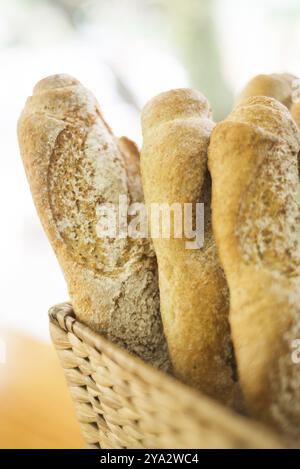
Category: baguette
[74,164]
[194,297]
[256,222]
[278,86]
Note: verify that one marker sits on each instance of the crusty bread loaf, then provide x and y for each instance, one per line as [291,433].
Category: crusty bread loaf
[278,86]
[194,297]
[256,222]
[74,164]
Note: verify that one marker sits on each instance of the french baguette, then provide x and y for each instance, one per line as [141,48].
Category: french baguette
[74,164]
[256,222]
[194,297]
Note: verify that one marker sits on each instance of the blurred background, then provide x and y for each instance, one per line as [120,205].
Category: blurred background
[125,51]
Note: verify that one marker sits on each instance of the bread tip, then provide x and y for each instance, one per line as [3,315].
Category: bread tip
[265,101]
[51,82]
[175,103]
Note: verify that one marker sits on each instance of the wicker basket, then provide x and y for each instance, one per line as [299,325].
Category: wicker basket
[123,403]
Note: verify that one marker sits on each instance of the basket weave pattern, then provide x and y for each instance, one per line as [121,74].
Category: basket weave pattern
[121,402]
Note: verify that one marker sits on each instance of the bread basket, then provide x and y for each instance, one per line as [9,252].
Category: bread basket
[122,402]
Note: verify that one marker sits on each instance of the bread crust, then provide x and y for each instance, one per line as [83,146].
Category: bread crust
[280,86]
[256,222]
[194,302]
[74,163]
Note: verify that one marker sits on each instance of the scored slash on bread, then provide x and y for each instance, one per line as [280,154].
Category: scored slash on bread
[194,298]
[74,163]
[256,221]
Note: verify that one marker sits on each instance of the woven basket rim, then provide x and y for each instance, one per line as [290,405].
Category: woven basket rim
[63,316]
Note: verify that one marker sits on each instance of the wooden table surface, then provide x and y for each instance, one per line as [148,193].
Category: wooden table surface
[36,410]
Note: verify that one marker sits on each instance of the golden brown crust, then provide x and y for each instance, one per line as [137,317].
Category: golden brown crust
[131,156]
[74,164]
[256,221]
[176,129]
[278,86]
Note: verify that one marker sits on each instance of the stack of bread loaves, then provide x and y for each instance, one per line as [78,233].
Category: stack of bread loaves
[222,317]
